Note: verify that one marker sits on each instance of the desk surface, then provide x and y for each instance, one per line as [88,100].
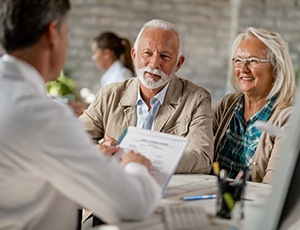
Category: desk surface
[182,185]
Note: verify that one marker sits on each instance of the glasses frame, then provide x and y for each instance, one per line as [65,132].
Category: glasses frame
[248,62]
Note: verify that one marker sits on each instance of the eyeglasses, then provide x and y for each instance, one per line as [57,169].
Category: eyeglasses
[250,62]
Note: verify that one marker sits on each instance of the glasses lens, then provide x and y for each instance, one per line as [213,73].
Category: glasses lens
[237,62]
[250,62]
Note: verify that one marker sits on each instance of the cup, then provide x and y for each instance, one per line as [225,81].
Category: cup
[229,196]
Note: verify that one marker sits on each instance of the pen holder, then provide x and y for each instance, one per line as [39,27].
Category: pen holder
[229,194]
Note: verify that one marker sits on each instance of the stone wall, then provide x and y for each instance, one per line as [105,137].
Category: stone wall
[208,28]
[205,26]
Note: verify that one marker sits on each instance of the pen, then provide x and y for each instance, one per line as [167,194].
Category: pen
[216,168]
[223,174]
[237,179]
[203,197]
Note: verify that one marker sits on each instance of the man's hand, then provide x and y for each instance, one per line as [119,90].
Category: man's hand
[135,157]
[108,141]
[108,150]
[107,146]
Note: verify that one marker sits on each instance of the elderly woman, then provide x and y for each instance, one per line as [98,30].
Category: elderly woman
[264,79]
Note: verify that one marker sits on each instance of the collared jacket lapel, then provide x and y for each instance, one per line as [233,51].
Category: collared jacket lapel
[172,99]
[128,103]
[186,112]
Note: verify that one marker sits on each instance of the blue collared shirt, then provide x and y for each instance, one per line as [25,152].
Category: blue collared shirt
[142,108]
[237,148]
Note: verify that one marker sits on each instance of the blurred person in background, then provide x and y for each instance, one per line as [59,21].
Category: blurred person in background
[111,53]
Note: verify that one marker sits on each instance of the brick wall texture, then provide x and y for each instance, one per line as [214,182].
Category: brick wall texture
[208,28]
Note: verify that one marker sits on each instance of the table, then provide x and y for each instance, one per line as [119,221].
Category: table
[192,184]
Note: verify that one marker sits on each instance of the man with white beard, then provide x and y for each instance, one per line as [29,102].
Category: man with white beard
[157,99]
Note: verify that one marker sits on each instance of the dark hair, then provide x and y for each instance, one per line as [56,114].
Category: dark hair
[22,22]
[119,46]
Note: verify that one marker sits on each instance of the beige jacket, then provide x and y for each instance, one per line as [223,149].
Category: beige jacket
[268,148]
[186,112]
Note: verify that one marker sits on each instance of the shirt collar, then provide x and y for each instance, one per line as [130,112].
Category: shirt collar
[267,109]
[160,96]
[26,71]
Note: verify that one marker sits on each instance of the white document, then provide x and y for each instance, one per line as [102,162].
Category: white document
[162,149]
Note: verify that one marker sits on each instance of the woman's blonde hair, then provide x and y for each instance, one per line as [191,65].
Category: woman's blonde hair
[284,85]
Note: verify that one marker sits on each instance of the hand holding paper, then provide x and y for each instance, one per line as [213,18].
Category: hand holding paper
[136,157]
[162,149]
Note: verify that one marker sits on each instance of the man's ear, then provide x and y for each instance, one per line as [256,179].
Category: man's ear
[180,62]
[51,32]
[133,53]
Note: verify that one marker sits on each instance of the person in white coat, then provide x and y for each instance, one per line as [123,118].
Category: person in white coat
[49,166]
[112,54]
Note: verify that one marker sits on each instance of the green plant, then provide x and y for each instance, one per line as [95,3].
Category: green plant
[63,86]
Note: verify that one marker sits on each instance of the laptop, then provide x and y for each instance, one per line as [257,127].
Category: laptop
[282,207]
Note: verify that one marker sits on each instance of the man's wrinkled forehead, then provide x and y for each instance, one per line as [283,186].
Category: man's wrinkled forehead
[164,40]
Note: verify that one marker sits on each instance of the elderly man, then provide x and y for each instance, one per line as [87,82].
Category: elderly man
[157,99]
[49,167]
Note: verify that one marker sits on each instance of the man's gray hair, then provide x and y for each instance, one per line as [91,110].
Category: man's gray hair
[161,24]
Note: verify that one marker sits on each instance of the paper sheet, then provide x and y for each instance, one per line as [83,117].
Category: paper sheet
[162,149]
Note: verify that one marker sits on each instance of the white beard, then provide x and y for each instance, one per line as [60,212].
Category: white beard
[151,83]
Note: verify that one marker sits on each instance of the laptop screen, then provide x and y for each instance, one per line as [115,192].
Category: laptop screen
[291,210]
[283,206]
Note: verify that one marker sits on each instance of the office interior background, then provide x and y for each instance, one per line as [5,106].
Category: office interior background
[208,28]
